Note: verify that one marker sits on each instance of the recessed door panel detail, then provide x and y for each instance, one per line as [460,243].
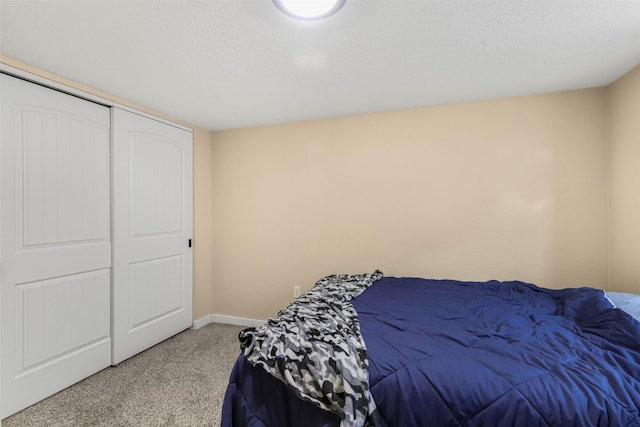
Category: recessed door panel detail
[156,182]
[156,288]
[59,316]
[65,177]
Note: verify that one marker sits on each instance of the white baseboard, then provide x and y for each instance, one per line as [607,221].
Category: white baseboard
[231,320]
[203,321]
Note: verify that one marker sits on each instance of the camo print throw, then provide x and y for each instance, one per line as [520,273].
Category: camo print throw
[314,346]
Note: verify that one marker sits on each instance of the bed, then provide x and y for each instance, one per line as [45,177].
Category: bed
[366,349]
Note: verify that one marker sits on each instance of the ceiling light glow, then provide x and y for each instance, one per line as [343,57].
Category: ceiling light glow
[309,9]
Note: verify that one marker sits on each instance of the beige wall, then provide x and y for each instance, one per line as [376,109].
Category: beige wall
[623,114]
[506,189]
[202,291]
[202,223]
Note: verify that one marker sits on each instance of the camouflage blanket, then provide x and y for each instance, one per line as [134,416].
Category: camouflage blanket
[314,346]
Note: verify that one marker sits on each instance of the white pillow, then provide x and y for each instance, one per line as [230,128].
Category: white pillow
[627,302]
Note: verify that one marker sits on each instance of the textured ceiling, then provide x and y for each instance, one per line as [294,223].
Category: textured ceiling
[228,64]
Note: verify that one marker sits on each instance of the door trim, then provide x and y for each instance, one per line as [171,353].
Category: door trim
[84,94]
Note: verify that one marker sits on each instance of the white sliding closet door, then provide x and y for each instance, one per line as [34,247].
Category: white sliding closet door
[55,248]
[152,228]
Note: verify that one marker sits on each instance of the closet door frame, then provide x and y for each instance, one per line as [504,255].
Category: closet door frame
[84,94]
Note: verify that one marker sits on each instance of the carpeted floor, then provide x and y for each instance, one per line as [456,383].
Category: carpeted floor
[179,382]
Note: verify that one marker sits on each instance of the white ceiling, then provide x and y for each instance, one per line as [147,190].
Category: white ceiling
[229,64]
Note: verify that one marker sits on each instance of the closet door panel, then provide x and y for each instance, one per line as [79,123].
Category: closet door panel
[157,185]
[61,315]
[65,160]
[153,223]
[55,247]
[156,289]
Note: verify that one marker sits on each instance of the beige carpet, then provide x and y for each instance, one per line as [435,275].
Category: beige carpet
[179,382]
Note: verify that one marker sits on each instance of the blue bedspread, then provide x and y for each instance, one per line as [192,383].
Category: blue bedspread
[448,353]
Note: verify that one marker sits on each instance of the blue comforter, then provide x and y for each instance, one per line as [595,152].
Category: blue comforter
[449,353]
